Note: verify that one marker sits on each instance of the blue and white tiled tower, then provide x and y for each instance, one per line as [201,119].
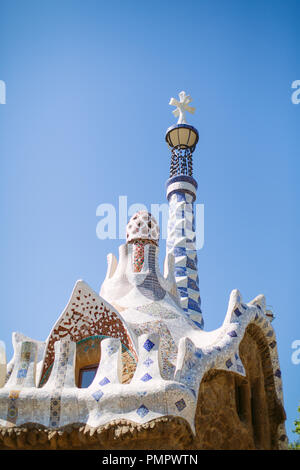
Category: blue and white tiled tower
[181,194]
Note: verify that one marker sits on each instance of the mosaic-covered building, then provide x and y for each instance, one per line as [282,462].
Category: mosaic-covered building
[133,367]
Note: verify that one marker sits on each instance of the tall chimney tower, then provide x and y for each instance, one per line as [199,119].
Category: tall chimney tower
[181,194]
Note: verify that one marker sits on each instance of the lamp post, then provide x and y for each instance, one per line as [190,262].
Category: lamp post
[182,138]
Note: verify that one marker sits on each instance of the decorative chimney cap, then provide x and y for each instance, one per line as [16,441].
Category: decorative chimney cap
[142,225]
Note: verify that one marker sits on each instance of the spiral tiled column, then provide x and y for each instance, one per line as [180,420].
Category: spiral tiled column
[181,242]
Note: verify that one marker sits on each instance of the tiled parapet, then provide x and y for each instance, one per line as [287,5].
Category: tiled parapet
[93,399]
[141,400]
[21,381]
[60,387]
[62,375]
[52,406]
[60,402]
[23,374]
[17,339]
[150,361]
[189,365]
[110,366]
[148,396]
[181,242]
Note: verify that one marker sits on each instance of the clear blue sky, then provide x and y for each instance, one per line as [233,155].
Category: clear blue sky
[88,86]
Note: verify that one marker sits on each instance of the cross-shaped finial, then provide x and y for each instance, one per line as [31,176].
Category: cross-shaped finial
[182,107]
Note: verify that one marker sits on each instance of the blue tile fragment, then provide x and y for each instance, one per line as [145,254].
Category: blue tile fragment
[148,345]
[142,411]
